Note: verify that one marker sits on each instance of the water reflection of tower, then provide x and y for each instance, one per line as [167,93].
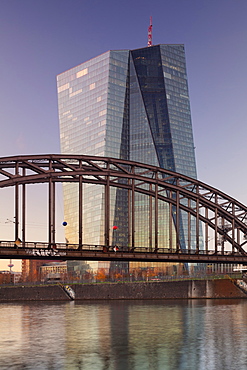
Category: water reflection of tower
[119,321]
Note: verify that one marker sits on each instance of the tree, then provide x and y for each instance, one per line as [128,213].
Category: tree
[101,276]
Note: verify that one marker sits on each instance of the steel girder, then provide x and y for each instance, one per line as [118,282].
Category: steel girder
[218,212]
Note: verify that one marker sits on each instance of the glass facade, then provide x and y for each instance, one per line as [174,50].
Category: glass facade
[128,104]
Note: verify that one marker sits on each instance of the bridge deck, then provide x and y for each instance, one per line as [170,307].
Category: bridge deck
[102,253]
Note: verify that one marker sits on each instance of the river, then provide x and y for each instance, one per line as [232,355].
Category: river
[123,335]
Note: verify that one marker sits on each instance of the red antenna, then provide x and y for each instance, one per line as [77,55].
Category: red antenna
[150,43]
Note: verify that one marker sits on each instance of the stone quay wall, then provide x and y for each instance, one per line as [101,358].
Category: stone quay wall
[187,289]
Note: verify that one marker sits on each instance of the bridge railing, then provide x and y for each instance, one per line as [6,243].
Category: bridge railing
[110,249]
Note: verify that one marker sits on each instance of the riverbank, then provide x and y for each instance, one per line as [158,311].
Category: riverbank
[187,289]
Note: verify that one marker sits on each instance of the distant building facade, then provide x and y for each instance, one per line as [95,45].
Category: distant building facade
[53,271]
[9,277]
[133,105]
[31,270]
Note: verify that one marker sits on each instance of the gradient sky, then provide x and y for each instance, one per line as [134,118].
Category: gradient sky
[40,39]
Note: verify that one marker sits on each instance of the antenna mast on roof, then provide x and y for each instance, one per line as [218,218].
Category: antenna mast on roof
[150,43]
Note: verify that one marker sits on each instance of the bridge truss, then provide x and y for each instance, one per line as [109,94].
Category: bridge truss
[215,215]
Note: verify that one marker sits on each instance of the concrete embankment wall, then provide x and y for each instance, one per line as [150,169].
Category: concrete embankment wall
[33,293]
[161,290]
[189,289]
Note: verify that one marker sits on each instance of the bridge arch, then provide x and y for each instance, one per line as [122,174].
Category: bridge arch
[209,212]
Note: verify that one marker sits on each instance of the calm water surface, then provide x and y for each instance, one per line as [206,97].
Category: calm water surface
[136,335]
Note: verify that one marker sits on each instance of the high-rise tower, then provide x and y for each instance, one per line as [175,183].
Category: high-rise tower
[129,104]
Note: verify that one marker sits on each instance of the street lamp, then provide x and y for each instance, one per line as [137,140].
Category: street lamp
[113,234]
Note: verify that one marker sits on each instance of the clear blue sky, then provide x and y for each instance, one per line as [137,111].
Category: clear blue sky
[40,39]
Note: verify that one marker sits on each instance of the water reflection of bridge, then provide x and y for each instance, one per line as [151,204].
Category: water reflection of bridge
[216,223]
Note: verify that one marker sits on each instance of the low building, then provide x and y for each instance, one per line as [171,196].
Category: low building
[53,271]
[6,277]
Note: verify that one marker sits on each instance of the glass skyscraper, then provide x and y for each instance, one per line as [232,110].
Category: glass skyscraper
[128,104]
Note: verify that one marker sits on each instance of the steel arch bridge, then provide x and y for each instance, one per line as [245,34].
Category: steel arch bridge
[216,216]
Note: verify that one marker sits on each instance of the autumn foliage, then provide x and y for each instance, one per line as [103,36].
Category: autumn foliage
[101,275]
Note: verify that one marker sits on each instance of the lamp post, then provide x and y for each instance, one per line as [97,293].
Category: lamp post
[113,234]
